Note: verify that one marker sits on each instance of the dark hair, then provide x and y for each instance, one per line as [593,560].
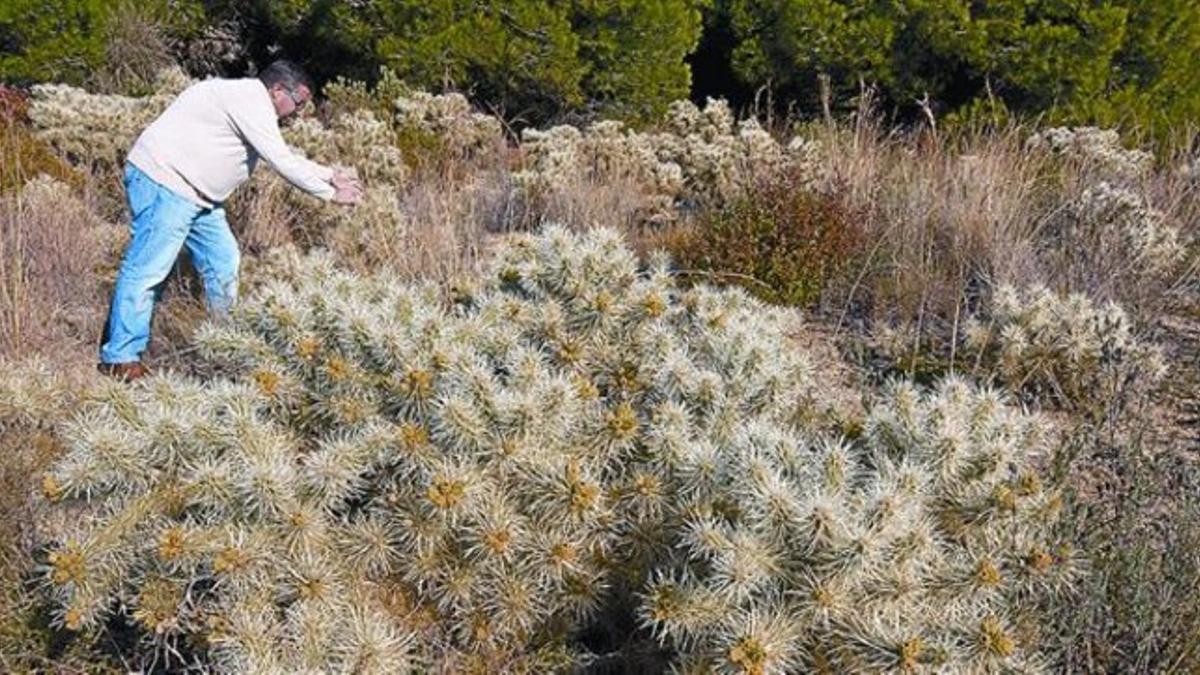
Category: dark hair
[287,73]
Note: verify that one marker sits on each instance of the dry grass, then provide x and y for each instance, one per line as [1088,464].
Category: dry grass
[55,267]
[943,215]
[137,47]
[943,219]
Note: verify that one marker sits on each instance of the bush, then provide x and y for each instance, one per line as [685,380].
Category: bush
[55,256]
[489,473]
[532,60]
[924,549]
[1114,62]
[1063,350]
[92,42]
[95,131]
[1133,509]
[35,399]
[23,157]
[781,241]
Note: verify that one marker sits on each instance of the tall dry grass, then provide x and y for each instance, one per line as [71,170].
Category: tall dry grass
[941,219]
[55,266]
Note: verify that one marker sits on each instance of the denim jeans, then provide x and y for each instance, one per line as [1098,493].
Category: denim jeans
[163,223]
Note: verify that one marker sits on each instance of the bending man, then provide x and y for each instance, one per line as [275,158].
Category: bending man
[179,173]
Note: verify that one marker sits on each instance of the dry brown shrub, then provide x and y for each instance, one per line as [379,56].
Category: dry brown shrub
[136,48]
[21,155]
[57,259]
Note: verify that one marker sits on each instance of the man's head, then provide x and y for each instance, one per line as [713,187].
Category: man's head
[289,86]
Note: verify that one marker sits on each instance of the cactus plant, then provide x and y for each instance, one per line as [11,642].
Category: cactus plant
[384,476]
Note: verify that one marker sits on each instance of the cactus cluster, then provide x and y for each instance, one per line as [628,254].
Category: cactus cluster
[96,130]
[1125,220]
[386,476]
[699,156]
[1099,149]
[915,549]
[356,139]
[1066,347]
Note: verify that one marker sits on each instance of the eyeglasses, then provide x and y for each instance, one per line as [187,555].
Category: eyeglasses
[298,100]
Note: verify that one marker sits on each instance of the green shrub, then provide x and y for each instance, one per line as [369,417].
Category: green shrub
[530,60]
[781,241]
[1110,62]
[80,41]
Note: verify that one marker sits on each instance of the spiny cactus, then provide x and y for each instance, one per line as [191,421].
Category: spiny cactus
[1125,220]
[483,462]
[1066,347]
[1098,149]
[473,475]
[356,139]
[915,549]
[700,156]
[94,129]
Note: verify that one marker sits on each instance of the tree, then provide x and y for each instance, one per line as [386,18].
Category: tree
[1105,61]
[528,58]
[56,40]
[73,41]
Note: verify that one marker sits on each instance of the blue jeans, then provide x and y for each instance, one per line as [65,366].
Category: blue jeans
[163,223]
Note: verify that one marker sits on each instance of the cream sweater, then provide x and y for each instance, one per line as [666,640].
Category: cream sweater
[210,138]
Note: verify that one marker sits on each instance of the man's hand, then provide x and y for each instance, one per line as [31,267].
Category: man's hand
[347,189]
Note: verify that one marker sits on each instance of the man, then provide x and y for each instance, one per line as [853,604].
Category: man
[177,177]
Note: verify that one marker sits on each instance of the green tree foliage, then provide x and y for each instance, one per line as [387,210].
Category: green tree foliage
[527,57]
[67,40]
[1158,84]
[58,40]
[1102,60]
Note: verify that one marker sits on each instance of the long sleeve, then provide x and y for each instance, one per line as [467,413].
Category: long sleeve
[209,139]
[262,133]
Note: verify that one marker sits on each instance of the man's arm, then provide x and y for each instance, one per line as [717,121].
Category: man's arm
[261,131]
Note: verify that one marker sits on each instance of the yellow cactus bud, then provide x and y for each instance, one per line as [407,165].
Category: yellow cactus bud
[584,496]
[1039,560]
[910,654]
[307,348]
[586,389]
[995,639]
[563,553]
[749,655]
[1004,498]
[987,574]
[623,422]
[267,382]
[418,384]
[230,559]
[446,493]
[498,541]
[338,369]
[413,436]
[69,566]
[171,545]
[51,490]
[73,619]
[654,305]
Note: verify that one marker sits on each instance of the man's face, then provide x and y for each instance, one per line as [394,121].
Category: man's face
[289,102]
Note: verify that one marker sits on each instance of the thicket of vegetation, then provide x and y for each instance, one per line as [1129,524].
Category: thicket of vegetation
[704,390]
[1112,62]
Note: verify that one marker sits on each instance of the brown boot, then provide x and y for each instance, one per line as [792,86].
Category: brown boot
[126,372]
